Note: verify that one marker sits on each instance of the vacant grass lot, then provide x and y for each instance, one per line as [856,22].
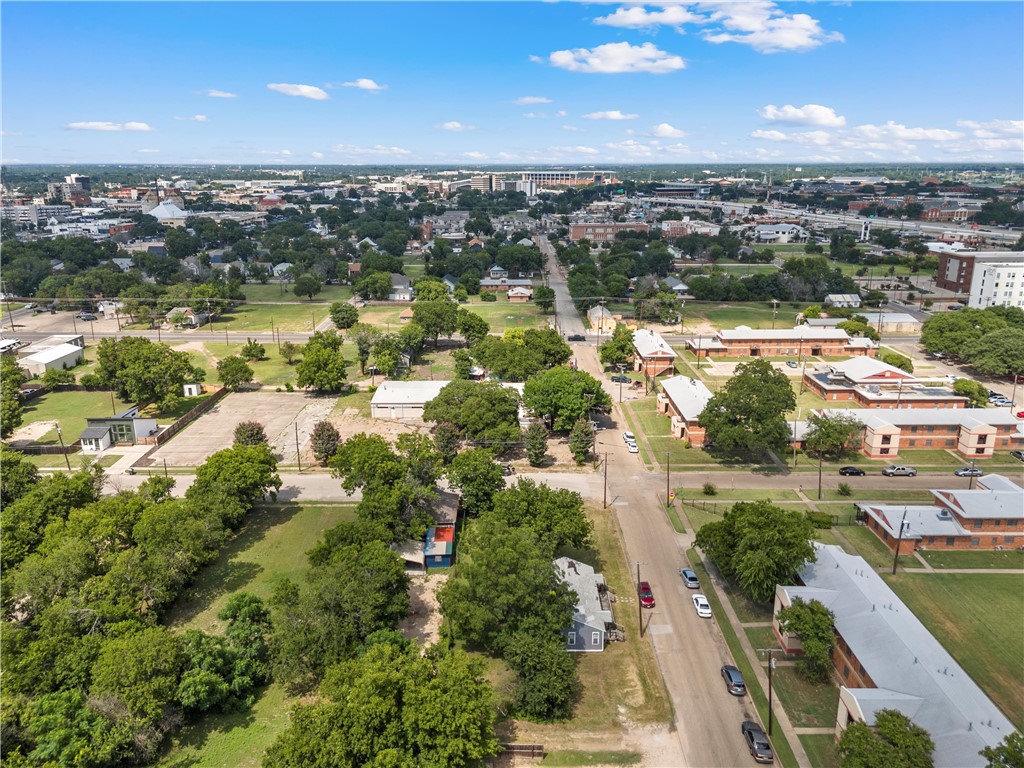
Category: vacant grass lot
[808,705]
[978,619]
[954,559]
[70,410]
[572,757]
[78,461]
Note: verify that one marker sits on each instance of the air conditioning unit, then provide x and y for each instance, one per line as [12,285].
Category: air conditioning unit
[945,515]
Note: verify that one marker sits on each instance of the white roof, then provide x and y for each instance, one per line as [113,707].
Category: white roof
[168,210]
[50,354]
[584,581]
[417,392]
[888,317]
[897,650]
[805,332]
[848,297]
[650,344]
[911,417]
[859,368]
[688,395]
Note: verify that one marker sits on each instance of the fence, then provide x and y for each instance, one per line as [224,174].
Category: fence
[525,750]
[36,449]
[188,418]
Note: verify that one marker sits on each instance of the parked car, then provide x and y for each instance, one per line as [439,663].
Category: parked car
[733,680]
[954,307]
[1020,414]
[619,379]
[1018,455]
[702,606]
[968,472]
[899,471]
[689,578]
[852,471]
[31,305]
[792,364]
[629,437]
[576,337]
[86,316]
[757,742]
[632,448]
[646,595]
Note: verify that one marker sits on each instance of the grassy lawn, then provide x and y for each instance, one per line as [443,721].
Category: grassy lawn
[270,547]
[826,536]
[821,749]
[887,496]
[869,546]
[272,370]
[978,619]
[173,414]
[703,514]
[291,316]
[783,752]
[623,682]
[502,314]
[740,494]
[572,757]
[673,517]
[754,315]
[808,705]
[282,294]
[358,400]
[238,739]
[761,637]
[78,461]
[956,559]
[70,410]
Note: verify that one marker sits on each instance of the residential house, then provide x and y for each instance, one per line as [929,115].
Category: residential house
[450,282]
[401,288]
[525,241]
[519,295]
[843,300]
[193,266]
[124,264]
[675,285]
[743,341]
[283,269]
[601,320]
[592,618]
[186,317]
[497,272]
[366,244]
[476,244]
[887,659]
[406,315]
[871,383]
[439,546]
[780,233]
[125,428]
[504,284]
[683,400]
[988,516]
[653,356]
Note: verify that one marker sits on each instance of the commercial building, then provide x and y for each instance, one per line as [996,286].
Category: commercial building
[784,342]
[652,355]
[887,659]
[568,178]
[601,320]
[998,284]
[125,428]
[604,231]
[956,268]
[988,516]
[871,383]
[60,357]
[406,399]
[683,400]
[33,214]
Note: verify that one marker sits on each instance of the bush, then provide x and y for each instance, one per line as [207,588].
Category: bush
[820,520]
[55,377]
[845,489]
[488,296]
[250,433]
[91,381]
[288,386]
[710,489]
[324,440]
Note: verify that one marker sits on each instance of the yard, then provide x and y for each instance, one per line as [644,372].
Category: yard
[978,619]
[1013,558]
[808,705]
[67,411]
[870,547]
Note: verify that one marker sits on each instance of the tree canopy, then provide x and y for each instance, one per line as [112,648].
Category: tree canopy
[894,740]
[833,434]
[814,624]
[483,412]
[556,516]
[323,365]
[748,414]
[564,396]
[143,372]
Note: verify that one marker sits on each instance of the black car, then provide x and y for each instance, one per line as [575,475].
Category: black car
[621,379]
[733,680]
[1018,455]
[576,337]
[852,471]
[757,742]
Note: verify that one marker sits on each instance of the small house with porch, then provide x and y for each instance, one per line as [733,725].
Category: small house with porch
[592,618]
[186,317]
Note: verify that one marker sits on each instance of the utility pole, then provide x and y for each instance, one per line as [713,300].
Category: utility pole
[298,456]
[771,668]
[60,436]
[605,503]
[796,442]
[899,541]
[622,368]
[820,454]
[973,466]
[668,475]
[639,607]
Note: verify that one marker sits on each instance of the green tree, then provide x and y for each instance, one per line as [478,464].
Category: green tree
[976,392]
[760,545]
[307,284]
[375,286]
[11,379]
[814,624]
[894,740]
[544,298]
[290,350]
[438,318]
[581,440]
[344,315]
[1000,353]
[323,364]
[1009,753]
[477,477]
[472,327]
[387,354]
[55,377]
[555,515]
[250,433]
[244,472]
[253,351]
[233,372]
[565,396]
[447,441]
[536,440]
[747,415]
[902,362]
[958,333]
[139,671]
[18,475]
[364,337]
[483,412]
[618,350]
[431,289]
[324,440]
[143,372]
[834,434]
[547,685]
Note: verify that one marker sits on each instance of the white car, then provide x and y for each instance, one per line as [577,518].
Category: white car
[629,437]
[703,607]
[632,448]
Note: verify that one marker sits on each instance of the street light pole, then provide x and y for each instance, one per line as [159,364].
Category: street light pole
[668,474]
[298,456]
[899,541]
[820,454]
[973,466]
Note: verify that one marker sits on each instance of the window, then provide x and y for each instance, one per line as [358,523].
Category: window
[977,524]
[931,540]
[950,541]
[982,439]
[886,439]
[1009,539]
[595,638]
[884,452]
[927,443]
[998,523]
[572,638]
[975,542]
[860,669]
[979,450]
[846,670]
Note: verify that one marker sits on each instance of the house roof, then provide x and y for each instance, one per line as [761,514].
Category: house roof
[50,354]
[585,582]
[495,267]
[406,313]
[94,433]
[805,332]
[168,210]
[858,369]
[876,317]
[896,649]
[846,298]
[399,280]
[650,344]
[911,417]
[506,281]
[688,395]
[520,290]
[416,392]
[985,503]
[440,540]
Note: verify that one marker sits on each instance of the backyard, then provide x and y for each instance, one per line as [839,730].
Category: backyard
[68,411]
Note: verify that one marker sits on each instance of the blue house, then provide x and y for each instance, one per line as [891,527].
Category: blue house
[439,547]
[592,618]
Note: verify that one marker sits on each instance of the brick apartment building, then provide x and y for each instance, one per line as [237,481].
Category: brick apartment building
[784,342]
[870,383]
[956,270]
[683,399]
[652,354]
[603,232]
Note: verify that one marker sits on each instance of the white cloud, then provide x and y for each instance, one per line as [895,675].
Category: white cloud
[808,114]
[475,155]
[638,17]
[532,100]
[456,126]
[613,114]
[572,128]
[99,125]
[215,94]
[148,151]
[614,58]
[993,129]
[364,84]
[769,135]
[276,152]
[896,131]
[634,148]
[305,91]
[533,115]
[194,118]
[761,25]
[561,113]
[666,131]
[377,150]
[317,155]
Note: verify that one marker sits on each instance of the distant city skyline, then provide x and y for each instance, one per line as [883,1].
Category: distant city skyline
[512,83]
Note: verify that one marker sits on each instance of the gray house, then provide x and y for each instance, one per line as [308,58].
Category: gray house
[126,428]
[401,288]
[592,620]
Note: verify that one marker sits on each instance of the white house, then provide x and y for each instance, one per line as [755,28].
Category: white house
[401,288]
[845,300]
[779,233]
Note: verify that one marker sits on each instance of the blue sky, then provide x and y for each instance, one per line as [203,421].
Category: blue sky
[512,82]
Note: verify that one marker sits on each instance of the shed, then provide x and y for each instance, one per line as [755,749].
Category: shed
[192,390]
[59,357]
[95,439]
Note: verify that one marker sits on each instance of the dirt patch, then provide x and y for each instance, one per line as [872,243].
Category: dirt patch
[32,432]
[423,623]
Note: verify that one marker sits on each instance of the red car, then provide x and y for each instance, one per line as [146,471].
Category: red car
[1020,414]
[646,595]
